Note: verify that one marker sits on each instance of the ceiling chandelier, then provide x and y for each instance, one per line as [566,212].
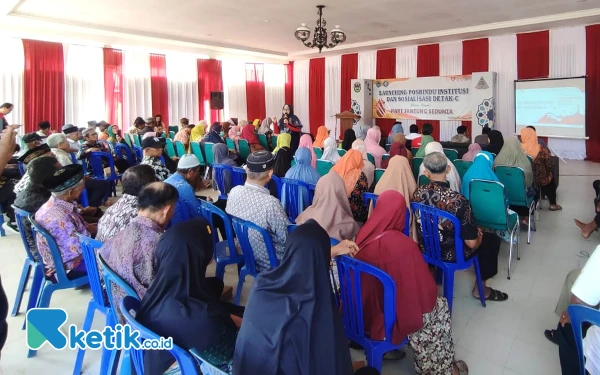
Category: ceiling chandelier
[320,37]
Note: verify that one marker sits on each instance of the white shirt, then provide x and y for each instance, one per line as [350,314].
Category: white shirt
[63,157]
[73,144]
[587,289]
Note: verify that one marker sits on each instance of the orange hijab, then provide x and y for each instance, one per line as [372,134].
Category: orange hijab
[322,134]
[349,167]
[529,142]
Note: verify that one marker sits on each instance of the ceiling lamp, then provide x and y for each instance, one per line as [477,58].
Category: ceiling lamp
[320,37]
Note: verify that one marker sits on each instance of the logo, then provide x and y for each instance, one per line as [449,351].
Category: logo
[378,84]
[43,325]
[385,83]
[482,84]
[357,87]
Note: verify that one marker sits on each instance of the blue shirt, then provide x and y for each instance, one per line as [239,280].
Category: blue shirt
[188,206]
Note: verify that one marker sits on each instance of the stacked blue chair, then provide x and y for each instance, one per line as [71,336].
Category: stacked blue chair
[139,153]
[350,271]
[292,193]
[580,314]
[62,281]
[241,228]
[372,198]
[429,219]
[95,159]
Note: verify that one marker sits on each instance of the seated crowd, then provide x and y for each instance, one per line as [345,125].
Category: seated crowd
[157,239]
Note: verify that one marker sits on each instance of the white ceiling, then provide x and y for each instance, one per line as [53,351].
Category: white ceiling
[266,27]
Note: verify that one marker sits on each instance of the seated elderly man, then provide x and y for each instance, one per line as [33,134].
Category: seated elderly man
[73,136]
[60,148]
[92,144]
[61,218]
[486,245]
[31,140]
[121,213]
[153,150]
[28,157]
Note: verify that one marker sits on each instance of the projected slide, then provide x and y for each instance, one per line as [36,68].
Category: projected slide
[555,107]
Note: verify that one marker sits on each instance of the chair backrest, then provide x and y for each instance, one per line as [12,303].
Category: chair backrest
[242,227]
[210,211]
[129,308]
[430,220]
[370,198]
[197,151]
[274,141]
[350,271]
[277,182]
[513,179]
[111,278]
[123,152]
[220,170]
[462,166]
[416,165]
[423,180]
[292,195]
[208,153]
[378,174]
[238,176]
[244,148]
[95,159]
[262,139]
[89,247]
[385,157]
[127,139]
[169,148]
[413,150]
[136,140]
[451,154]
[488,203]
[371,158]
[179,148]
[318,151]
[60,275]
[230,144]
[341,152]
[172,133]
[580,314]
[139,153]
[324,166]
[21,217]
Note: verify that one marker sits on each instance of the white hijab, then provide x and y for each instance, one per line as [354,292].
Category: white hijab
[330,151]
[453,177]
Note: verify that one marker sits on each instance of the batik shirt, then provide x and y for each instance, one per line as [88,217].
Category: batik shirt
[439,195]
[117,217]
[162,172]
[254,203]
[62,221]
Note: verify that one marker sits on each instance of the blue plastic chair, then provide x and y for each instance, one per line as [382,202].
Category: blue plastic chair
[124,152]
[187,364]
[429,219]
[220,171]
[30,263]
[208,146]
[292,197]
[238,177]
[179,148]
[221,248]
[277,181]
[139,153]
[62,281]
[2,232]
[349,271]
[372,198]
[97,303]
[95,159]
[74,158]
[580,314]
[22,168]
[241,228]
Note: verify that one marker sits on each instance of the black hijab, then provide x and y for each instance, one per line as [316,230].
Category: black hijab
[349,137]
[179,302]
[496,142]
[283,162]
[291,324]
[214,135]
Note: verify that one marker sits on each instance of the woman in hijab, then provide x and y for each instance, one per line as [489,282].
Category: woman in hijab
[182,302]
[420,313]
[331,209]
[216,134]
[349,168]
[474,148]
[322,135]
[481,169]
[221,156]
[330,151]
[306,141]
[452,177]
[398,147]
[249,134]
[349,137]
[290,123]
[542,165]
[266,128]
[256,123]
[234,134]
[496,142]
[511,155]
[291,324]
[399,177]
[283,155]
[198,131]
[373,147]
[396,129]
[302,171]
[368,167]
[113,134]
[425,140]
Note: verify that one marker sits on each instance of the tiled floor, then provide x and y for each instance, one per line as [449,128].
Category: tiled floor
[503,338]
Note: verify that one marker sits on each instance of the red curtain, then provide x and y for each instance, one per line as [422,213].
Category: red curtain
[316,94]
[593,91]
[210,78]
[43,84]
[533,55]
[386,68]
[113,91]
[158,84]
[475,58]
[349,71]
[428,65]
[289,83]
[255,92]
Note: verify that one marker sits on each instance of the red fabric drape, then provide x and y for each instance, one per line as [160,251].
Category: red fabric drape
[43,84]
[210,78]
[158,84]
[255,92]
[349,71]
[316,94]
[593,91]
[475,58]
[289,83]
[533,55]
[113,90]
[428,65]
[386,68]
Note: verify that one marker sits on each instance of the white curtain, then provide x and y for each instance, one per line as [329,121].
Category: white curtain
[12,66]
[84,84]
[137,97]
[274,88]
[182,86]
[301,92]
[503,60]
[406,67]
[568,59]
[367,65]
[333,87]
[234,89]
[450,64]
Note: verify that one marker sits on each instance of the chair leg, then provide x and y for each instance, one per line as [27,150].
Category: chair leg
[21,289]
[518,236]
[479,282]
[449,287]
[220,271]
[37,284]
[238,292]
[87,325]
[126,364]
[510,254]
[374,358]
[529,229]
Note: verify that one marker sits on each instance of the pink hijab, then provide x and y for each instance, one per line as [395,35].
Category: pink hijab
[474,148]
[306,141]
[372,142]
